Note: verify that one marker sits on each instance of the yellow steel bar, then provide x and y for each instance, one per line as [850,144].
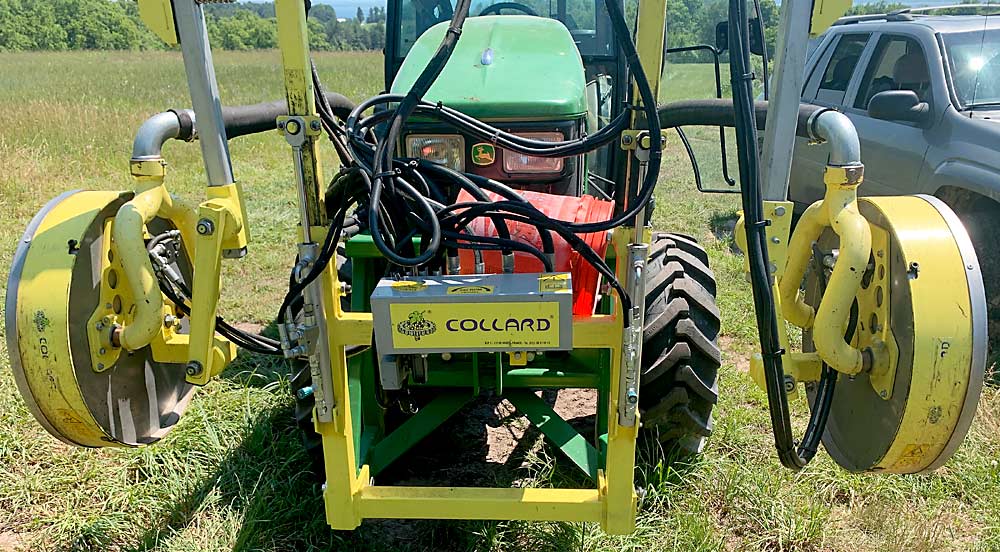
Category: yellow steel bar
[649,43]
[293,41]
[480,503]
[596,332]
[618,476]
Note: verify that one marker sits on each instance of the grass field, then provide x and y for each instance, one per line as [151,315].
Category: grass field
[232,475]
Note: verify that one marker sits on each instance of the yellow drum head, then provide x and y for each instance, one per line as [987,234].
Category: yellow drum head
[52,292]
[925,273]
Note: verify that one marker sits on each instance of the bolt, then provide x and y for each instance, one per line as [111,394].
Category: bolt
[531,357]
[789,384]
[883,394]
[446,356]
[102,350]
[775,240]
[193,368]
[281,125]
[205,227]
[292,127]
[632,396]
[314,125]
[627,139]
[99,326]
[169,320]
[100,365]
[517,355]
[779,211]
[304,393]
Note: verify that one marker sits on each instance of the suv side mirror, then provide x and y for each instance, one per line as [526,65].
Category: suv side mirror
[756,37]
[898,105]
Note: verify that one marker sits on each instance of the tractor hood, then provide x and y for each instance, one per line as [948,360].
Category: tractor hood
[504,67]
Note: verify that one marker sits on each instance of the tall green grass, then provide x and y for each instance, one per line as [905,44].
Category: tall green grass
[232,475]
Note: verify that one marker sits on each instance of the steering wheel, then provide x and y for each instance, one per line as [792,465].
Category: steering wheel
[495,8]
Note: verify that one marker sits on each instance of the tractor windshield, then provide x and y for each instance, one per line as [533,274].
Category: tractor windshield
[587,20]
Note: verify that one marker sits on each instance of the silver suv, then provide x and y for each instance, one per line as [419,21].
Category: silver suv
[924,94]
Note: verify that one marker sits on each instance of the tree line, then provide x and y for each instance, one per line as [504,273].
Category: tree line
[115,25]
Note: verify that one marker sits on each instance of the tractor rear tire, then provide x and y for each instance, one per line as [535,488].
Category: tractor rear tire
[680,354]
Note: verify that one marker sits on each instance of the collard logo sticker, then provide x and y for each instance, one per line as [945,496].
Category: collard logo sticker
[416,326]
[484,154]
[470,290]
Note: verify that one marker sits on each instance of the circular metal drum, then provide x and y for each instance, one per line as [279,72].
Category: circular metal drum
[924,279]
[53,290]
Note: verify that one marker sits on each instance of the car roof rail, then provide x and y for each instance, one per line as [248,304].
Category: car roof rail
[908,14]
[925,9]
[854,19]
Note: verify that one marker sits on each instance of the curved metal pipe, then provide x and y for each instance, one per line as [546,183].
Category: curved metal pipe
[836,129]
[155,132]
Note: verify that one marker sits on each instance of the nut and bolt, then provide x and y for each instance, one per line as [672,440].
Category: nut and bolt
[169,320]
[205,227]
[632,396]
[292,127]
[194,369]
[627,140]
[789,384]
[315,125]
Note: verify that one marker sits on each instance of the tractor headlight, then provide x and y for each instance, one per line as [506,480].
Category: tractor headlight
[443,149]
[515,163]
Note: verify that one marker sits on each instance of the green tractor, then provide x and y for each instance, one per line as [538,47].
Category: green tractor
[488,233]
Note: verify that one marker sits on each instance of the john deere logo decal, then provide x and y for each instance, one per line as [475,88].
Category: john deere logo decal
[484,154]
[416,326]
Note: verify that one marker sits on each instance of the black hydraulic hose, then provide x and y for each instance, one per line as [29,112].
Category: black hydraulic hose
[720,112]
[384,150]
[763,55]
[250,119]
[741,78]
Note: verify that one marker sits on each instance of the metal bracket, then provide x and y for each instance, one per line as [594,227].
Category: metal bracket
[628,385]
[639,139]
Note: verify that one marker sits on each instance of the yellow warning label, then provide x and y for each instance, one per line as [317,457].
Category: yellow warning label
[470,290]
[553,283]
[408,285]
[514,325]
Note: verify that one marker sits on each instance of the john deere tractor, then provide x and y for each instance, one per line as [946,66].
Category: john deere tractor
[487,232]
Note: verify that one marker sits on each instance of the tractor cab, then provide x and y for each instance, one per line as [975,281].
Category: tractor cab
[545,70]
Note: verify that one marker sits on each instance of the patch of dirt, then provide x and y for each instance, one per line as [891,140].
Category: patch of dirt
[735,354]
[12,542]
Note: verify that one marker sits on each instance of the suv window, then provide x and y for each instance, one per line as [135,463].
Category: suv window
[899,63]
[839,70]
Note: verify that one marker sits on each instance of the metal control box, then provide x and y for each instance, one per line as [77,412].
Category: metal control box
[480,313]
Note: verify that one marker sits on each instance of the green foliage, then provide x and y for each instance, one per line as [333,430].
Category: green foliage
[115,25]
[875,7]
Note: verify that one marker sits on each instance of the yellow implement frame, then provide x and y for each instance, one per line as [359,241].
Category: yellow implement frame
[349,494]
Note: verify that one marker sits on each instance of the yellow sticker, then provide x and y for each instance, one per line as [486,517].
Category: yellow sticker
[553,283]
[408,285]
[470,290]
[514,325]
